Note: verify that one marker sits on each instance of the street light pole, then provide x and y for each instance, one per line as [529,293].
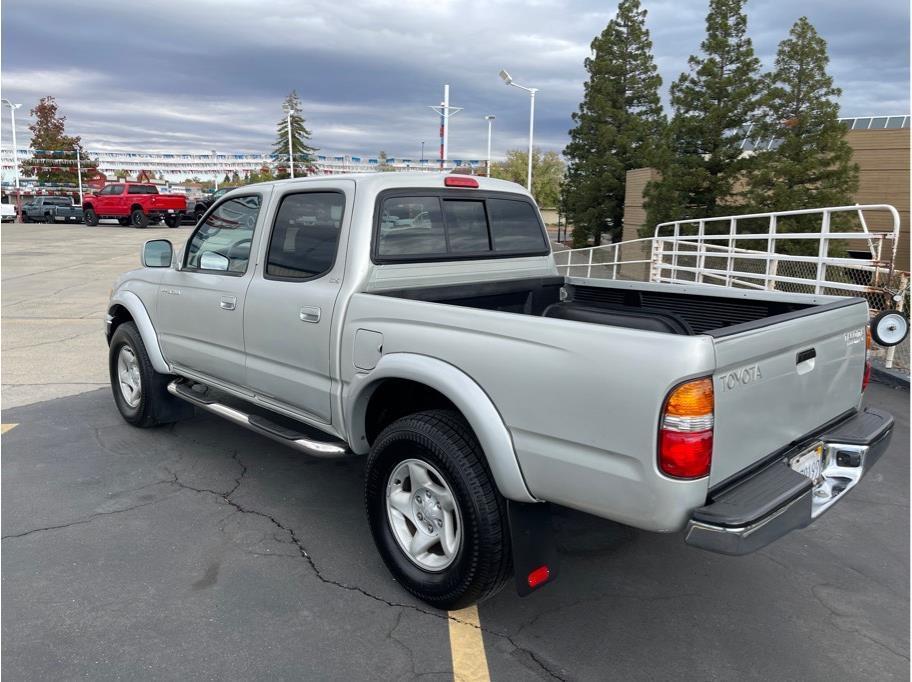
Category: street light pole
[422,151]
[215,167]
[509,81]
[13,108]
[490,119]
[79,173]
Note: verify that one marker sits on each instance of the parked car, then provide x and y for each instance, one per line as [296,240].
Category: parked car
[7,212]
[197,207]
[51,210]
[134,203]
[481,385]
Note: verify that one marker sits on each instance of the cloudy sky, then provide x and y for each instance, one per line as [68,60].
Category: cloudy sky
[197,75]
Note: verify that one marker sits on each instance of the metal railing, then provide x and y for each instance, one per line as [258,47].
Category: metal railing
[814,251]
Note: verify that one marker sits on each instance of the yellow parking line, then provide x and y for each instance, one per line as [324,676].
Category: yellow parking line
[467,646]
[7,427]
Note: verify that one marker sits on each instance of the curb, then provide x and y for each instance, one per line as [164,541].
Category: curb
[891,377]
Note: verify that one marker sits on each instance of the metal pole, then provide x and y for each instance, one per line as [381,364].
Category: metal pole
[490,119]
[445,132]
[215,170]
[531,126]
[422,151]
[290,153]
[16,159]
[79,173]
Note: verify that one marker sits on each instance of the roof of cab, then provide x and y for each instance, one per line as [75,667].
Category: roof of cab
[377,182]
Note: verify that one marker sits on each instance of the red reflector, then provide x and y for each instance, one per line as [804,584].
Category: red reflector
[538,576]
[685,454]
[866,379]
[460,181]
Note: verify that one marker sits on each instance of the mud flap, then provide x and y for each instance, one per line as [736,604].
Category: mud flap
[535,560]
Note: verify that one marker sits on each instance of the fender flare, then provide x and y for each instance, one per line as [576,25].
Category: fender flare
[476,406]
[140,315]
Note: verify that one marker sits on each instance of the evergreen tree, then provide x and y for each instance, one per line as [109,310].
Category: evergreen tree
[712,104]
[811,163]
[53,149]
[617,127]
[300,136]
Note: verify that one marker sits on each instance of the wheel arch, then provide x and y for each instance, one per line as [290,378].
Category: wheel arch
[415,378]
[126,307]
[137,206]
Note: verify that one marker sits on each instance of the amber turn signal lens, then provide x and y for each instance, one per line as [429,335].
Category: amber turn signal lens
[693,399]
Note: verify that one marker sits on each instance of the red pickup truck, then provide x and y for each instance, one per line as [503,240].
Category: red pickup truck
[134,203]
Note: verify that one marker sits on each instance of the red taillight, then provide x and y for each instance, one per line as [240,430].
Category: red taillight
[460,181]
[686,432]
[539,576]
[866,377]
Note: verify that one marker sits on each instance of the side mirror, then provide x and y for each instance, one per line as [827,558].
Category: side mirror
[157,253]
[210,260]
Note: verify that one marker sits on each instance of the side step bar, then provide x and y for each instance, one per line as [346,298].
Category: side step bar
[261,425]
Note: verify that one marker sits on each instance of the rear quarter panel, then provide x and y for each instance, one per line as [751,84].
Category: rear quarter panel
[581,401]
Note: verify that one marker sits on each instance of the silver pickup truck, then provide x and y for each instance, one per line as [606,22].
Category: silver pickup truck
[419,319]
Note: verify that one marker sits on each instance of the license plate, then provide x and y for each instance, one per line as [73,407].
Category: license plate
[809,463]
[170,210]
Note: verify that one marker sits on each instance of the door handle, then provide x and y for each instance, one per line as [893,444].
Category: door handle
[228,302]
[309,313]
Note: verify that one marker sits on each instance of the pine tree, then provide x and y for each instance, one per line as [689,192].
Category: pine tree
[53,149]
[300,136]
[810,164]
[618,125]
[712,104]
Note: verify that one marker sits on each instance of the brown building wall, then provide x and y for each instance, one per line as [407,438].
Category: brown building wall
[883,161]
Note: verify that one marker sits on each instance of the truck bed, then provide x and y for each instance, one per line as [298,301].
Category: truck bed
[685,310]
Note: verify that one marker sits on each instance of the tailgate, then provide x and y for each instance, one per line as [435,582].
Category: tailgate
[777,383]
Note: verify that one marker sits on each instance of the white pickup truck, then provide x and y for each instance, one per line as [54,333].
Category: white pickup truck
[419,319]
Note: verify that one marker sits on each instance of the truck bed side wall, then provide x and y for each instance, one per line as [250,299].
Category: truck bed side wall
[581,401]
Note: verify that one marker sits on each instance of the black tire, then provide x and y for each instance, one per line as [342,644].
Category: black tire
[48,219]
[124,222]
[24,218]
[90,217]
[172,221]
[138,218]
[198,215]
[483,561]
[156,405]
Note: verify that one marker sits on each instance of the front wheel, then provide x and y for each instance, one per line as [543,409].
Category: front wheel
[140,393]
[436,516]
[90,217]
[138,218]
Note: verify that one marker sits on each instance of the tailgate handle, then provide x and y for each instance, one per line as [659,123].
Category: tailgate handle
[805,355]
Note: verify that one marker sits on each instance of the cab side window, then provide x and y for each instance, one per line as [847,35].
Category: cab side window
[222,243]
[305,236]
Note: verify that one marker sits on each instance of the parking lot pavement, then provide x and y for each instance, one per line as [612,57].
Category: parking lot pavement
[203,550]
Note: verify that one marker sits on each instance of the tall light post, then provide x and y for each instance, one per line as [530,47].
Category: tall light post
[288,112]
[215,169]
[490,119]
[422,151]
[509,81]
[13,108]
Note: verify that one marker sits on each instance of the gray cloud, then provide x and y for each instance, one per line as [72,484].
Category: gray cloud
[211,75]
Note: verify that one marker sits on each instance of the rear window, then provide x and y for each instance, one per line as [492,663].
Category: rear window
[437,227]
[142,189]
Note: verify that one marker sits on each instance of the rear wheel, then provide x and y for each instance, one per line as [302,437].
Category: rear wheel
[90,217]
[435,514]
[140,393]
[138,218]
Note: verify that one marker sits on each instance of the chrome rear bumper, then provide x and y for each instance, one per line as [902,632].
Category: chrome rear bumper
[767,504]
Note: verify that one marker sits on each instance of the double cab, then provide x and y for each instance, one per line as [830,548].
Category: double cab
[51,210]
[134,203]
[419,320]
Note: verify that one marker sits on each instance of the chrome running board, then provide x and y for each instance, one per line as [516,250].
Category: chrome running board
[258,424]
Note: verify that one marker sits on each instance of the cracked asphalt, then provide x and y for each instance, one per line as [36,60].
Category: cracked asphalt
[201,550]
